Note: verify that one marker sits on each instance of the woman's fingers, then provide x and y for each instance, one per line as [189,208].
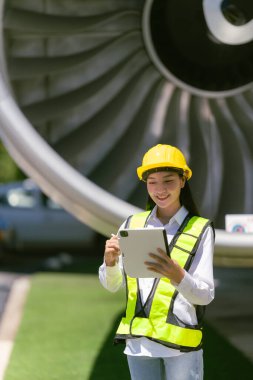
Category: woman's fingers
[111,247]
[161,258]
[112,251]
[112,243]
[165,266]
[162,263]
[158,269]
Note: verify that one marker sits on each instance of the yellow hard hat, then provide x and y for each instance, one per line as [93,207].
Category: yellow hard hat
[164,156]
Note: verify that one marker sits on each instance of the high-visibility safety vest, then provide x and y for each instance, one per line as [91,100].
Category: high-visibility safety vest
[155,319]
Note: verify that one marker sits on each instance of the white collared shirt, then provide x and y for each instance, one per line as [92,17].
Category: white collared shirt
[196,288]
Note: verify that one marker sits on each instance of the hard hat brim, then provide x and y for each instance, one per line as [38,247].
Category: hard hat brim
[142,169]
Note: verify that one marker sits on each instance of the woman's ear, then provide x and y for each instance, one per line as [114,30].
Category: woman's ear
[183,180]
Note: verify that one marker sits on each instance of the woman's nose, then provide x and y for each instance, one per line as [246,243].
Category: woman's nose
[160,189]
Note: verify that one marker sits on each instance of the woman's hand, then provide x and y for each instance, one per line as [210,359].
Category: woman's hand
[164,265]
[112,251]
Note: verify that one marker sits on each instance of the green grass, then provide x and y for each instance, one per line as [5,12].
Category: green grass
[67,331]
[66,323]
[9,171]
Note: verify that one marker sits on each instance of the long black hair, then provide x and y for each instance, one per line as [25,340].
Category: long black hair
[186,199]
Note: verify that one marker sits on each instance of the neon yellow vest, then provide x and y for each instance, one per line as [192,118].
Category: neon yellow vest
[155,320]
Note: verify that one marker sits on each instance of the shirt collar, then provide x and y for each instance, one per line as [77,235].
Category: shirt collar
[178,217]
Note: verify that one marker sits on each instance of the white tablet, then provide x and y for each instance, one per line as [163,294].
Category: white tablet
[135,246]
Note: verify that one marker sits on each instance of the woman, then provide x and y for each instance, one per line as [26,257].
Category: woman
[162,324]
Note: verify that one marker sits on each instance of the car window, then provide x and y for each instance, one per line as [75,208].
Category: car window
[49,203]
[52,204]
[3,200]
[21,198]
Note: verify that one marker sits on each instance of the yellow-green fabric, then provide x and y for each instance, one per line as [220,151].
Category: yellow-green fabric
[159,325]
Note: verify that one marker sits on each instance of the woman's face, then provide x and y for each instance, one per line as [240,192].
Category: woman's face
[164,188]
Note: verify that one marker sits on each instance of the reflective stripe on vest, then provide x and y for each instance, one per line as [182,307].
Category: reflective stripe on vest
[157,320]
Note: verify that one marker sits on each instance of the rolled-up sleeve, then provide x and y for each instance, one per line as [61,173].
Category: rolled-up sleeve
[197,285]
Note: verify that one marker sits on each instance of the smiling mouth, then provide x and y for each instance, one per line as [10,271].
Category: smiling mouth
[162,198]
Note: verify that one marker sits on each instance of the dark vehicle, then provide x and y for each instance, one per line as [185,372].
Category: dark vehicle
[29,220]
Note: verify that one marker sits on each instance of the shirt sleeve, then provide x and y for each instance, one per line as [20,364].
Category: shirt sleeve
[111,278]
[197,285]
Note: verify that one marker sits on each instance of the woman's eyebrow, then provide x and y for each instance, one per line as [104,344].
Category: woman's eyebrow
[165,176]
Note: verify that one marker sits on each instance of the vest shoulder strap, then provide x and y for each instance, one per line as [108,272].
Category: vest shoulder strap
[137,220]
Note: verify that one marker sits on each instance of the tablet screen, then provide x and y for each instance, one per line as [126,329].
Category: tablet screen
[135,246]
